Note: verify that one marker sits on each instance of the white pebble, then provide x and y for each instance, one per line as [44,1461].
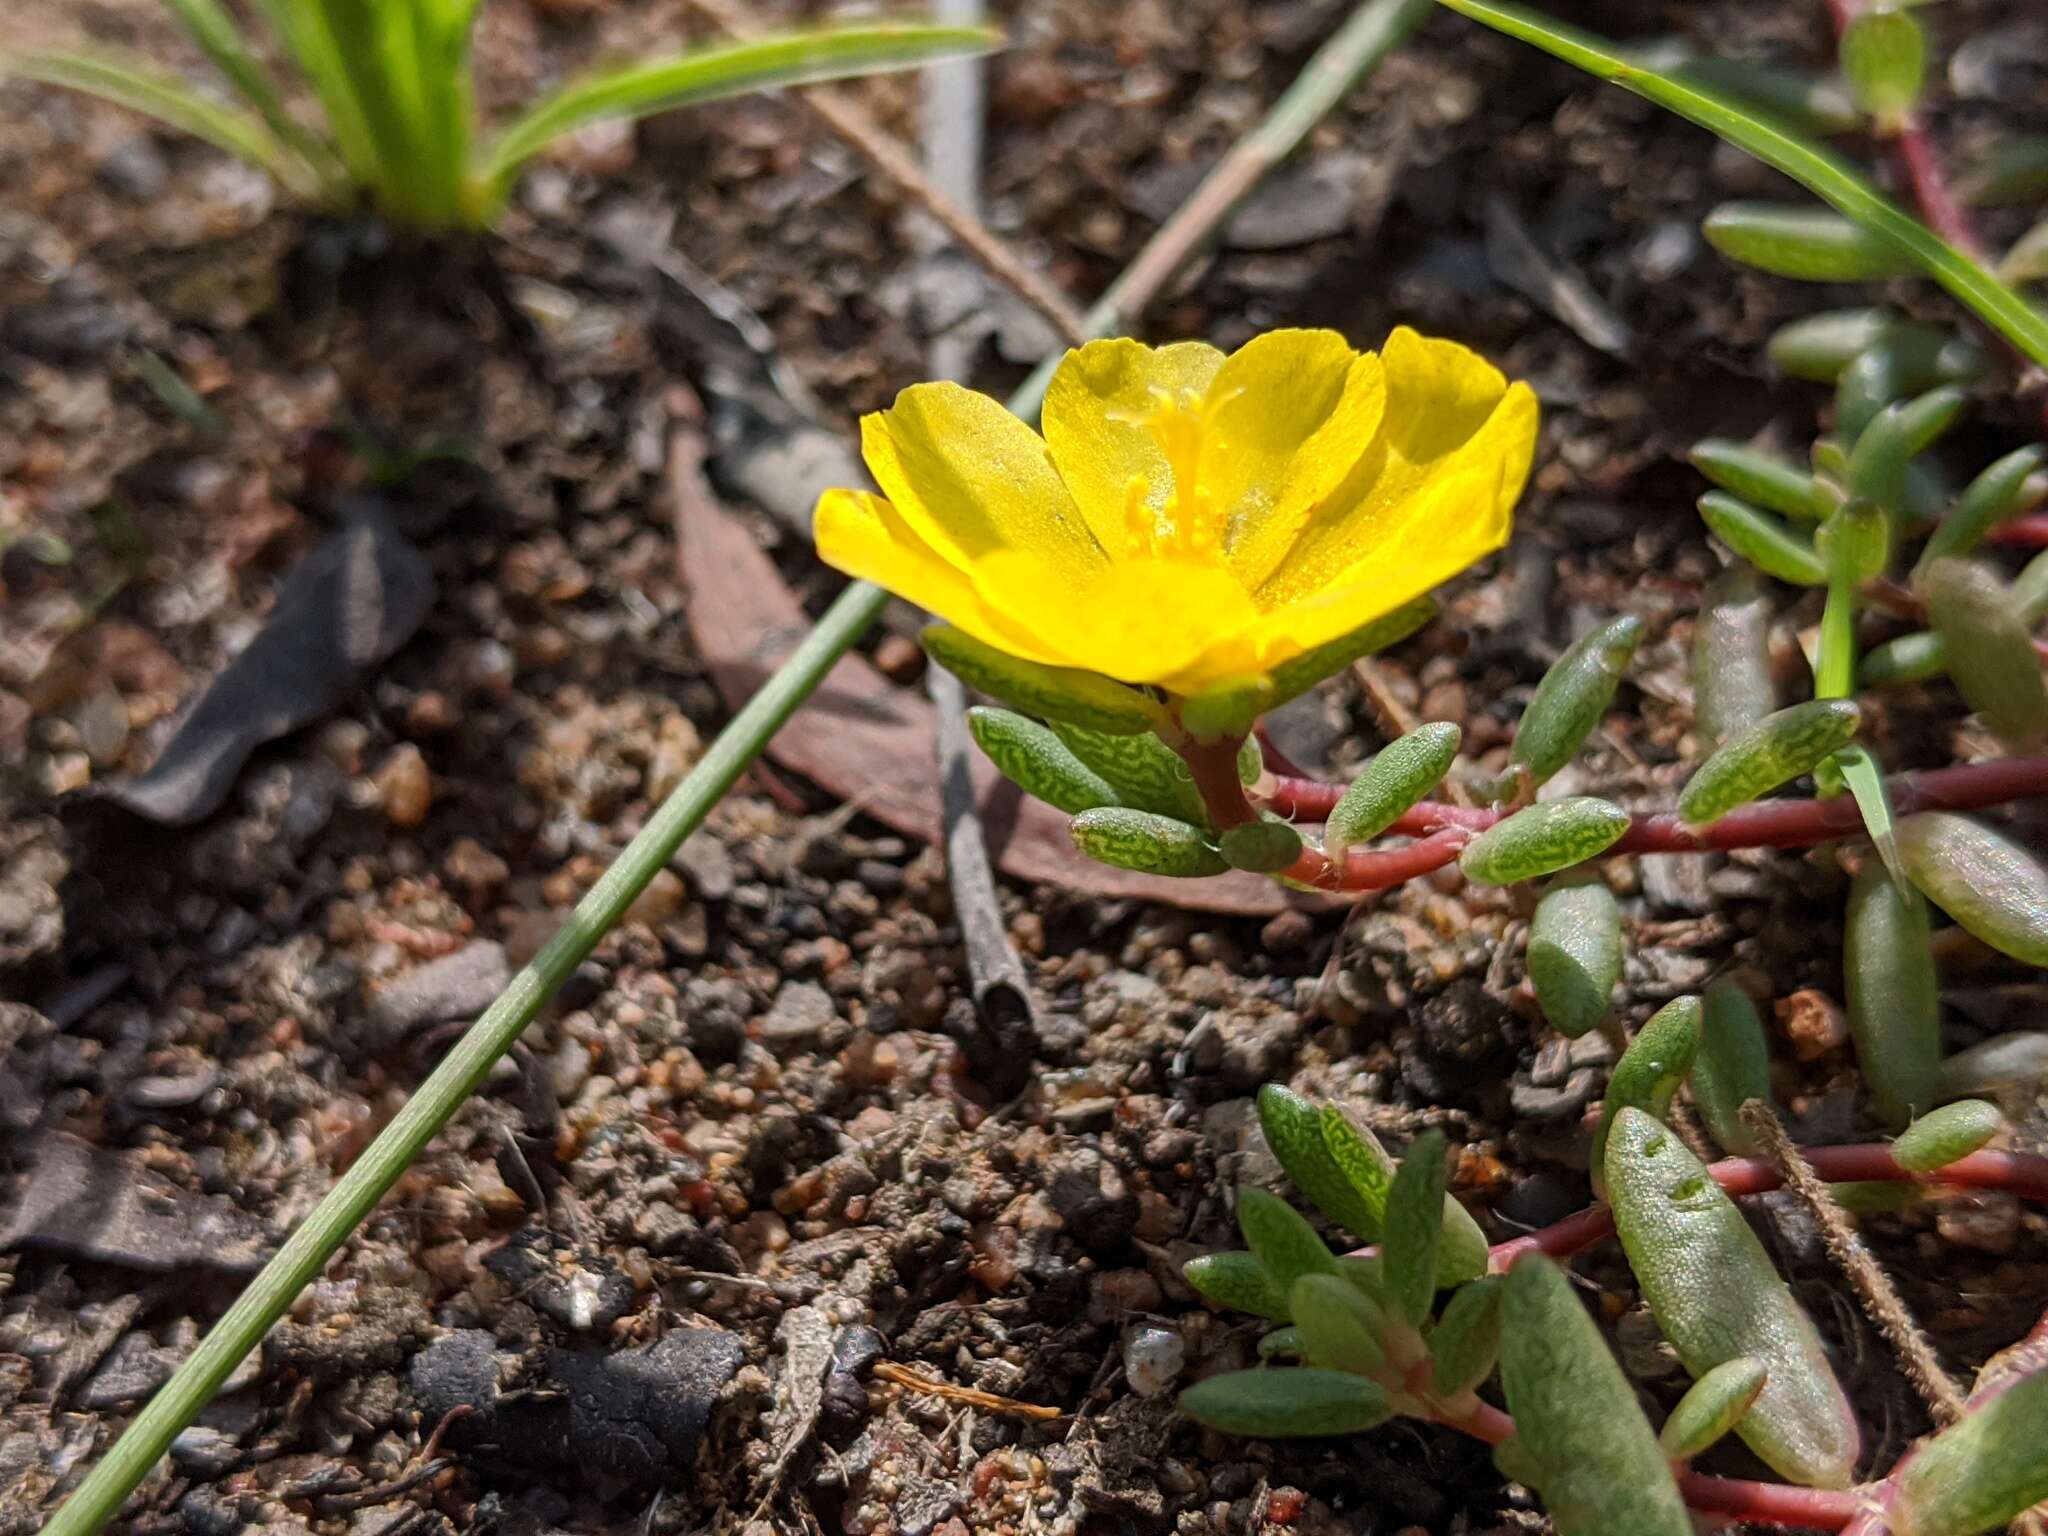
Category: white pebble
[1153,1358]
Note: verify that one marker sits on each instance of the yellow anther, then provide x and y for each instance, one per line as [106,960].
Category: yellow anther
[1141,523]
[1179,421]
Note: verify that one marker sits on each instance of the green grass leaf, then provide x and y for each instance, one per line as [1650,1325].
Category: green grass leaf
[708,74]
[1820,172]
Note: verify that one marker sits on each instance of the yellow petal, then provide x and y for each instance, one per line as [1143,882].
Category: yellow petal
[1141,621]
[1450,418]
[863,535]
[973,480]
[1093,423]
[1293,412]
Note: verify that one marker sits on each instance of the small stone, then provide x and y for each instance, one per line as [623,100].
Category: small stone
[657,903]
[1287,932]
[456,986]
[1153,1358]
[134,1368]
[900,659]
[135,170]
[473,869]
[405,789]
[704,862]
[1813,1023]
[800,1010]
[102,722]
[1986,1220]
[205,1453]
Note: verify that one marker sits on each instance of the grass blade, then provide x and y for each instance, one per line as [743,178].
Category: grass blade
[1820,172]
[141,87]
[221,36]
[708,74]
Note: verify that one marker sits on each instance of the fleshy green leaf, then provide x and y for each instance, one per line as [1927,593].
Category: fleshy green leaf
[712,74]
[1543,839]
[1038,762]
[1732,1066]
[1877,466]
[1281,1239]
[1942,1136]
[1820,172]
[1466,1340]
[1894,996]
[1884,54]
[1718,1297]
[1580,1438]
[1231,711]
[1731,661]
[1144,771]
[1415,1220]
[1277,1404]
[1981,1471]
[1281,1344]
[1762,479]
[1818,347]
[1712,1407]
[1804,241]
[1575,955]
[1990,885]
[1651,1069]
[2018,1059]
[1152,845]
[1061,694]
[1263,847]
[1990,653]
[1237,1280]
[1463,1252]
[1339,1327]
[2003,491]
[1873,801]
[1764,541]
[1294,1131]
[1774,751]
[1915,658]
[1573,696]
[1398,776]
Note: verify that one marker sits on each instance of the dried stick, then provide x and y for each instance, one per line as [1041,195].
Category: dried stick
[1881,1300]
[833,107]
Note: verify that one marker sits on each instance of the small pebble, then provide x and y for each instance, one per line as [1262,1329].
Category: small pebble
[1153,1357]
[405,789]
[1813,1022]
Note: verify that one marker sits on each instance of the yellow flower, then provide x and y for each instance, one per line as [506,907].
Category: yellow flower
[1190,520]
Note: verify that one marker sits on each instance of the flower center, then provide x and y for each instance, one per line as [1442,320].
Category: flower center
[1185,525]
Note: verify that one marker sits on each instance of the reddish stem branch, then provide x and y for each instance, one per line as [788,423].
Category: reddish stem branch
[1765,824]
[2029,531]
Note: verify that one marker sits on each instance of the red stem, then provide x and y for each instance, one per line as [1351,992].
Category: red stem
[1765,824]
[2026,532]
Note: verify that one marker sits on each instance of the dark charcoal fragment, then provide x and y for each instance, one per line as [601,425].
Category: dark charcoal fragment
[82,1202]
[578,1290]
[344,609]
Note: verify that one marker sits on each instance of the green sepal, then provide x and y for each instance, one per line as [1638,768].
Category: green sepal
[1231,711]
[1294,1130]
[1764,541]
[1573,697]
[1152,845]
[1731,657]
[1651,1069]
[1774,751]
[1237,1280]
[1945,1135]
[1280,1237]
[1400,774]
[1145,773]
[1855,544]
[1762,479]
[1804,241]
[2004,490]
[1415,1221]
[1051,693]
[1894,996]
[1580,1437]
[1544,838]
[1264,847]
[1731,1067]
[1712,1406]
[1717,1297]
[1030,756]
[1575,955]
[1465,1342]
[1884,55]
[1339,1327]
[1990,885]
[1279,1404]
[1877,464]
[1251,763]
[1983,1470]
[1989,650]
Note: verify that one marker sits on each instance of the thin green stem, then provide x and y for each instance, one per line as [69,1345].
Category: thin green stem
[306,1252]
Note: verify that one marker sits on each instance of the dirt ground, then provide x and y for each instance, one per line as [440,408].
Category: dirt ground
[758,1144]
